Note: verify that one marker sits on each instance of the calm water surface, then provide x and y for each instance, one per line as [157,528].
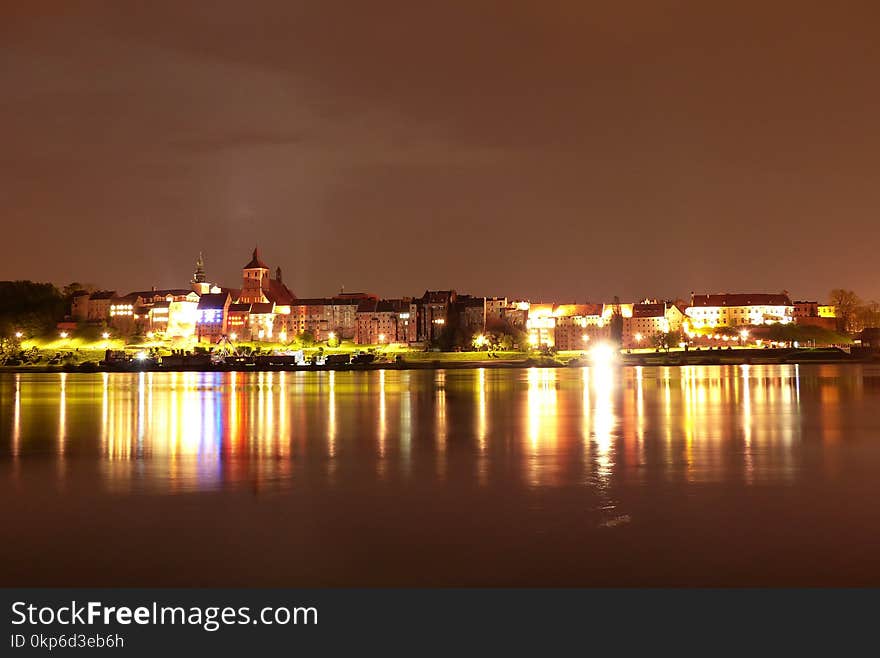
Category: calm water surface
[704,475]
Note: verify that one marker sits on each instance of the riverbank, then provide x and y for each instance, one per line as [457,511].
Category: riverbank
[474,360]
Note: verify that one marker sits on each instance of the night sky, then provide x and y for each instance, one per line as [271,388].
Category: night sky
[551,150]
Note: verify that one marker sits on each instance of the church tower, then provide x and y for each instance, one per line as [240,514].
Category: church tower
[255,280]
[200,280]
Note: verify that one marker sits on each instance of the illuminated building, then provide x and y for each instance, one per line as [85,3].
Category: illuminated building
[580,325]
[211,316]
[99,305]
[495,307]
[814,315]
[238,320]
[322,316]
[433,313]
[565,326]
[471,313]
[261,321]
[732,310]
[384,321]
[182,316]
[259,288]
[649,319]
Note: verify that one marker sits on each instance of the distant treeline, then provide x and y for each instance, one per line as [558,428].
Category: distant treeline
[29,307]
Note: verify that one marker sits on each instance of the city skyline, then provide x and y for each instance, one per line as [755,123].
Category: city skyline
[553,153]
[171,281]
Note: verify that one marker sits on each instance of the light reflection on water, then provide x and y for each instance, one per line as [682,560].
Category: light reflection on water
[594,427]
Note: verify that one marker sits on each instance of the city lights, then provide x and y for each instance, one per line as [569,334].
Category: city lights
[233,336]
[63,334]
[105,335]
[638,337]
[480,341]
[602,354]
[18,334]
[381,338]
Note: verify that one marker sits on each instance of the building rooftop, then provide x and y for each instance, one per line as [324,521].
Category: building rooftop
[649,310]
[255,262]
[261,308]
[741,299]
[279,293]
[213,301]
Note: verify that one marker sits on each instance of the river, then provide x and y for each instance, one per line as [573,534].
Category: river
[695,475]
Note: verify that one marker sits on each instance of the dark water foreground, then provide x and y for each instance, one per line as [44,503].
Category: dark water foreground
[699,475]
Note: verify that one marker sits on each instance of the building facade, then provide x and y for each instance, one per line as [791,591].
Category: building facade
[735,310]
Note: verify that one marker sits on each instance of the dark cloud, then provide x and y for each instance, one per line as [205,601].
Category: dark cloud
[570,150]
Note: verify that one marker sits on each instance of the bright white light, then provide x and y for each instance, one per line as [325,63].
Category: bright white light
[18,334]
[602,354]
[141,356]
[63,334]
[585,338]
[638,337]
[105,335]
[381,338]
[233,336]
[331,335]
[150,334]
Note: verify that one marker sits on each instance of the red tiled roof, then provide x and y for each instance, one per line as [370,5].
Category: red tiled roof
[262,308]
[742,299]
[279,293]
[649,310]
[256,262]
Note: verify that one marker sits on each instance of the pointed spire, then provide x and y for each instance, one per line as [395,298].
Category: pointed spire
[199,276]
[256,263]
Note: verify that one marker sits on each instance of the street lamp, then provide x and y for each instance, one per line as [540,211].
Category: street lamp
[105,335]
[638,337]
[233,336]
[381,338]
[18,334]
[63,334]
